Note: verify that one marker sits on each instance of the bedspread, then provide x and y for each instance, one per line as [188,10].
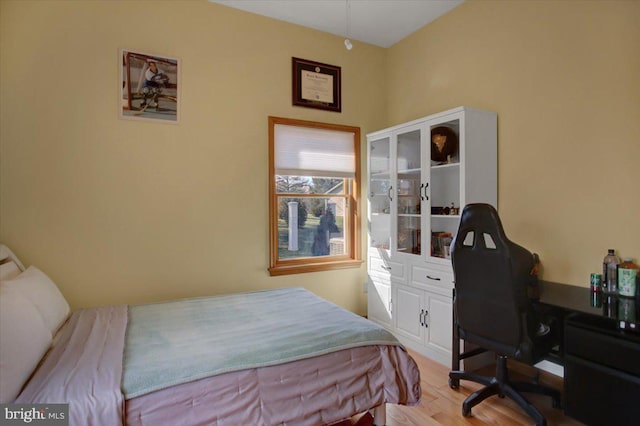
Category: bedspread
[177,342]
[309,392]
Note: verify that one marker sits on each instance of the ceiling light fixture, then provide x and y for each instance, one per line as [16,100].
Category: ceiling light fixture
[347,42]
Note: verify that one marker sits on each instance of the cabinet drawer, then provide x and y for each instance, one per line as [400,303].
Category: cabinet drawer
[432,278]
[380,266]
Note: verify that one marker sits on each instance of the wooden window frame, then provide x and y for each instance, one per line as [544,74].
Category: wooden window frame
[351,259]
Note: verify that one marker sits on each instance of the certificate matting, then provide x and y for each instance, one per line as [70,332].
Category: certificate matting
[316,85]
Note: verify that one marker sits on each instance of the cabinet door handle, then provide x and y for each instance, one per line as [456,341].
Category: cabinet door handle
[432,278]
[391,306]
[421,319]
[421,187]
[425,319]
[390,191]
[426,185]
[386,268]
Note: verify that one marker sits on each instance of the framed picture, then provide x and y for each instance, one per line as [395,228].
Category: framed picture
[149,87]
[316,85]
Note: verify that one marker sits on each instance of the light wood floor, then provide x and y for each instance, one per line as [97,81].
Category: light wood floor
[442,405]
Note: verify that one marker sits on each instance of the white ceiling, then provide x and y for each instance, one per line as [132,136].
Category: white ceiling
[378,22]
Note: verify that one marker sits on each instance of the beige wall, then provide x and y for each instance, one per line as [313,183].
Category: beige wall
[564,78]
[117,211]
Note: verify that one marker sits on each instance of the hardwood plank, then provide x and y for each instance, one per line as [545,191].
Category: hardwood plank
[442,406]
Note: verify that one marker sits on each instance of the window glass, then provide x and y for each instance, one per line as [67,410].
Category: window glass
[311,226]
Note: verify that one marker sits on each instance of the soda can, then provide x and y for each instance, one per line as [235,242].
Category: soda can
[596,282]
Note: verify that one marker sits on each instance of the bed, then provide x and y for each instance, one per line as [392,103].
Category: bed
[276,357]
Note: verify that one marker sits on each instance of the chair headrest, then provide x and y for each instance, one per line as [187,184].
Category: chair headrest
[481,219]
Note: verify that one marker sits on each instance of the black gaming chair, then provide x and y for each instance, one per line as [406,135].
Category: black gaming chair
[492,308]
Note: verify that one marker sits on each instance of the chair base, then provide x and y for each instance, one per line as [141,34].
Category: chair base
[501,386]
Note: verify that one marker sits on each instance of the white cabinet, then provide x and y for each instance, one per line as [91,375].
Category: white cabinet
[381,273]
[421,175]
[424,318]
[379,301]
[409,320]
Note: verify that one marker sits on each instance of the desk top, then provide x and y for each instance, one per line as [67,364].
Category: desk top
[625,311]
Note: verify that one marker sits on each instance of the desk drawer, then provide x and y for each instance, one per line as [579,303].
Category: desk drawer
[600,396]
[602,348]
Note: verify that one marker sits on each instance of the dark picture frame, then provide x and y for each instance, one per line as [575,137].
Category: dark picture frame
[316,85]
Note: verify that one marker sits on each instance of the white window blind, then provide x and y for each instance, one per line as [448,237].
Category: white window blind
[304,151]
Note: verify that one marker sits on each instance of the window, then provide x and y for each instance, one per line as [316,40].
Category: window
[314,177]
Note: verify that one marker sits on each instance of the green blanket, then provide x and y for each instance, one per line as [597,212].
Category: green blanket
[177,342]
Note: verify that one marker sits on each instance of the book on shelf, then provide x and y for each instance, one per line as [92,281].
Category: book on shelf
[440,244]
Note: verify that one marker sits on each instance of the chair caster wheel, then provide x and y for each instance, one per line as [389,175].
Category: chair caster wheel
[454,383]
[466,411]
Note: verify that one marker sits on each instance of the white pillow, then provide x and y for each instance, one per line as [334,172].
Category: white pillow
[8,270]
[6,253]
[38,289]
[24,339]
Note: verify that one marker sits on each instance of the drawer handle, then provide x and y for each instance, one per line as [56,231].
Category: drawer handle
[432,278]
[386,268]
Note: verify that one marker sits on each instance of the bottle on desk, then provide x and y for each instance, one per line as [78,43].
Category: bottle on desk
[627,275]
[610,272]
[610,306]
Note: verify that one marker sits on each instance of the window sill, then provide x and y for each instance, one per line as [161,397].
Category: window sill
[313,267]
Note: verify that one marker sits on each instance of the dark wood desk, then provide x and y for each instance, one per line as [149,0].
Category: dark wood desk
[599,347]
[559,301]
[623,311]
[600,351]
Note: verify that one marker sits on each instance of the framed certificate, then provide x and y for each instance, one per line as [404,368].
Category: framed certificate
[316,85]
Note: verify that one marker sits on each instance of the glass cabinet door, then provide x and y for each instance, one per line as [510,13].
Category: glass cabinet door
[444,186]
[380,195]
[409,190]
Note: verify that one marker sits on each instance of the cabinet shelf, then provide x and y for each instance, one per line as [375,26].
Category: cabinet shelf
[446,216]
[444,166]
[408,215]
[410,172]
[383,175]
